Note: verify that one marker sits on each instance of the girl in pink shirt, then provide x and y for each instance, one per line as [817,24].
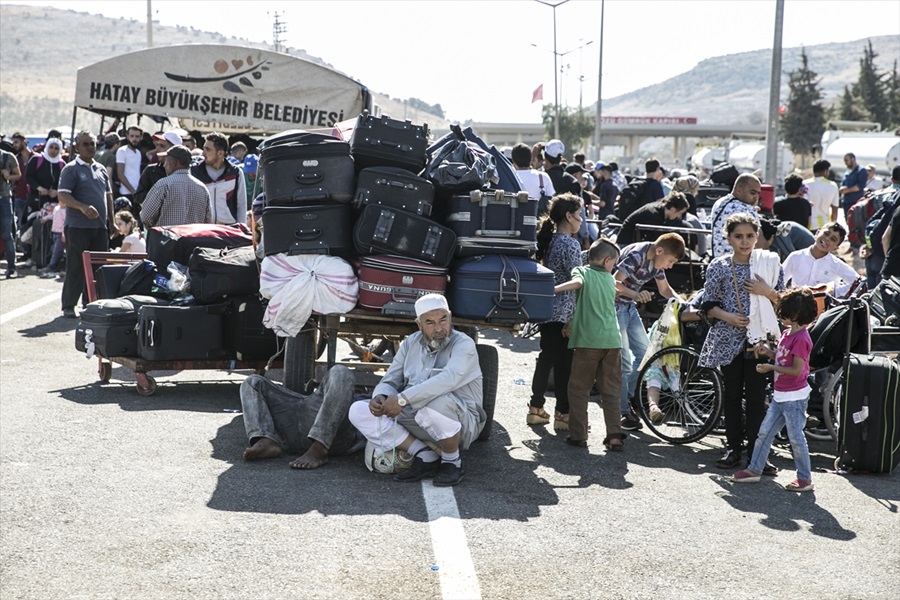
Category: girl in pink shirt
[796,310]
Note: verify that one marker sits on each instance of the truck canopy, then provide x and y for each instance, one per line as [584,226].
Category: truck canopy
[229,88]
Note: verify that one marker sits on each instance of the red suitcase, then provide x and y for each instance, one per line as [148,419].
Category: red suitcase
[392,284]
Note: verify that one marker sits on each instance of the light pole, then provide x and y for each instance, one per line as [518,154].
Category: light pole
[599,82]
[771,172]
[553,5]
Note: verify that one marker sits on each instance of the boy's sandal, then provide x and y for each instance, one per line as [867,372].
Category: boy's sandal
[614,443]
[537,416]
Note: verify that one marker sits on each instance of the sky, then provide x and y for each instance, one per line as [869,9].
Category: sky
[483,60]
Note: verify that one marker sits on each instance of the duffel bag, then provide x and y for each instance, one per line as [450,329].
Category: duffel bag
[218,273]
[176,243]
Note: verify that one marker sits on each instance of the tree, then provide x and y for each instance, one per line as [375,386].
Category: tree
[850,107]
[804,121]
[893,95]
[575,127]
[872,86]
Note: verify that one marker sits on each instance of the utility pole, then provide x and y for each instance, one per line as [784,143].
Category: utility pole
[771,173]
[279,28]
[599,83]
[149,24]
[553,5]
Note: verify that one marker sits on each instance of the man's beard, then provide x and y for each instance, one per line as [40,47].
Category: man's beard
[436,344]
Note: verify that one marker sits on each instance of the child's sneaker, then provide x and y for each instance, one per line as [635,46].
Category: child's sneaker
[656,415]
[798,485]
[745,476]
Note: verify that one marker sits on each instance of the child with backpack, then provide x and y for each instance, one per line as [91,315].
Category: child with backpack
[796,309]
[594,339]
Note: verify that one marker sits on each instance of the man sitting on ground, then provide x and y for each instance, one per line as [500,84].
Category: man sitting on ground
[277,420]
[431,393]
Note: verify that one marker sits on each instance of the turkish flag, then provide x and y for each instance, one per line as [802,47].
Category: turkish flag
[538,94]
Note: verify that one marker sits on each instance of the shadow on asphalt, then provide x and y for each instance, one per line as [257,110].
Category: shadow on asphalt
[58,325]
[510,341]
[496,486]
[782,510]
[195,396]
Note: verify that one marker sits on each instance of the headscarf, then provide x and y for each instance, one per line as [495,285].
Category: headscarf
[46,155]
[687,184]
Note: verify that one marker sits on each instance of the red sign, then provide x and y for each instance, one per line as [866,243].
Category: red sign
[650,120]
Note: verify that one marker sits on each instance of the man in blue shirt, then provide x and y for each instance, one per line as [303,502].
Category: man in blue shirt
[853,185]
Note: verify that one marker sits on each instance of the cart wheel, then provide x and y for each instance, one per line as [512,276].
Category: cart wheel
[145,390]
[104,370]
[489,361]
[300,359]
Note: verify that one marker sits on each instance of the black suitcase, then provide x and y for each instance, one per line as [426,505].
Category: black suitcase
[41,242]
[325,229]
[310,169]
[493,222]
[869,419]
[707,194]
[395,188]
[382,230]
[724,174]
[181,332]
[245,335]
[217,273]
[386,142]
[501,289]
[110,325]
[108,279]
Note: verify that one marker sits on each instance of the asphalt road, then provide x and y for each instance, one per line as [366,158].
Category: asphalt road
[108,494]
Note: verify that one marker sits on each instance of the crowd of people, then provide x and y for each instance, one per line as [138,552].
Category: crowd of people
[101,194]
[428,405]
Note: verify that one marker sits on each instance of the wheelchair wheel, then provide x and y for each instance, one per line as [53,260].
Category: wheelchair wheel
[690,396]
[831,402]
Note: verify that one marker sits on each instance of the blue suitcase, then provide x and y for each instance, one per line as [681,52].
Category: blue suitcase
[501,289]
[493,222]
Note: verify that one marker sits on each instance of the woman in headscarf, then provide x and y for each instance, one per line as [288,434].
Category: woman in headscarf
[42,174]
[689,185]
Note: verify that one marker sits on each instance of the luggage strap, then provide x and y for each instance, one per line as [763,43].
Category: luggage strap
[508,306]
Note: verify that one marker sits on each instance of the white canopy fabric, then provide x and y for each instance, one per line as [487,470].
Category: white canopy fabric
[225,87]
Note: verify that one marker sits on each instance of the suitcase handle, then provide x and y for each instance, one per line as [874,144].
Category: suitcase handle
[313,194]
[508,303]
[307,234]
[308,177]
[393,183]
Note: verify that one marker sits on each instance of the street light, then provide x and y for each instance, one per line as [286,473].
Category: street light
[553,5]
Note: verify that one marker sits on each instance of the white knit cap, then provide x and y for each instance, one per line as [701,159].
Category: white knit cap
[430,302]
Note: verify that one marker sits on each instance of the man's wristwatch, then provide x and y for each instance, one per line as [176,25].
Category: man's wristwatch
[401,400]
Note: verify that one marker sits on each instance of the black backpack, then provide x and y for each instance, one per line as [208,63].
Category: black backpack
[829,334]
[631,198]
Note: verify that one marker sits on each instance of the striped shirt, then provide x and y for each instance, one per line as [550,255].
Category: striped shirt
[179,199]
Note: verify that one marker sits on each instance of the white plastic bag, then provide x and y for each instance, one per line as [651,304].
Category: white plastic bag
[297,286]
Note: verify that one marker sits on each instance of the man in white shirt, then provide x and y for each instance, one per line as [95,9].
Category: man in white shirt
[128,163]
[536,183]
[822,195]
[817,265]
[874,183]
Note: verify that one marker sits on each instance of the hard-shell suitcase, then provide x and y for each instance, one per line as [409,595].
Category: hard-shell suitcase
[501,289]
[390,231]
[245,335]
[110,326]
[217,273]
[309,169]
[386,142]
[493,222]
[395,188]
[869,419]
[181,332]
[392,284]
[324,229]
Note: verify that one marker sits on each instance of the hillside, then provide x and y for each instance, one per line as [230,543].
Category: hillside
[734,89]
[37,86]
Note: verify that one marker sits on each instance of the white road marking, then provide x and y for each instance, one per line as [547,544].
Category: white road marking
[24,310]
[451,550]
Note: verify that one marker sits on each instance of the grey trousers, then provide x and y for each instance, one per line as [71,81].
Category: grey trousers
[294,421]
